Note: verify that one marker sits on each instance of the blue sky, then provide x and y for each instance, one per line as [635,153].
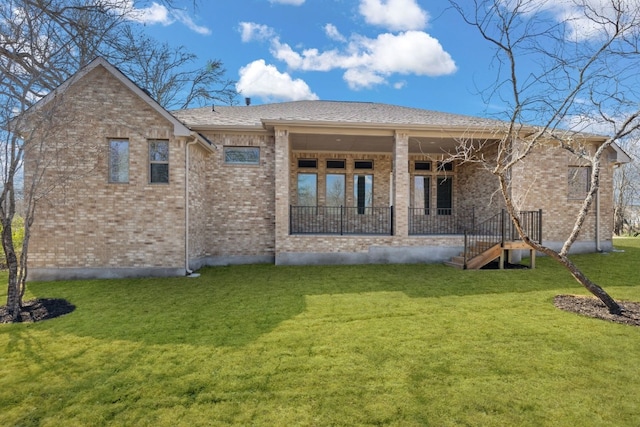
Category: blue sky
[403,52]
[414,53]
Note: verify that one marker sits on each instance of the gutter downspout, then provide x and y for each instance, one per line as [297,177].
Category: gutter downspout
[598,249]
[186,206]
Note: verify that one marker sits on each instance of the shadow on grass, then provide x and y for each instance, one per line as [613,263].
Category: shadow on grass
[234,306]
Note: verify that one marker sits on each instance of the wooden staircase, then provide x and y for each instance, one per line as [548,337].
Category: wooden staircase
[491,253]
[495,238]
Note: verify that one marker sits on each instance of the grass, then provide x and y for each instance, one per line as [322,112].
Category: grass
[397,345]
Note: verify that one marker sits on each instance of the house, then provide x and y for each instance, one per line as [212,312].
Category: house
[158,193]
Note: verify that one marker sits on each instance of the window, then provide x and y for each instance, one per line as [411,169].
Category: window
[445,166]
[363,164]
[308,163]
[335,190]
[159,162]
[422,193]
[422,166]
[307,189]
[335,164]
[363,192]
[118,160]
[579,181]
[444,196]
[242,155]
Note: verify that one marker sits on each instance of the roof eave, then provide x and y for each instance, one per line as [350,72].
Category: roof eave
[621,156]
[415,129]
[227,128]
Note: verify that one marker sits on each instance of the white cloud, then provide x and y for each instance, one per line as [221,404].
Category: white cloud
[332,32]
[370,61]
[362,78]
[394,15]
[251,31]
[154,14]
[585,20]
[399,85]
[264,81]
[291,2]
[159,14]
[184,18]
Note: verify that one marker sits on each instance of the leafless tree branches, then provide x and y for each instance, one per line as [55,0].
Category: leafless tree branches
[567,70]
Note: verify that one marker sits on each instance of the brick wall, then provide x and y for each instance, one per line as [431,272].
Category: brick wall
[200,202]
[479,188]
[541,181]
[84,221]
[241,211]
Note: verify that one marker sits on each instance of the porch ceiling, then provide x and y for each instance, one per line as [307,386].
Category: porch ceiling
[368,143]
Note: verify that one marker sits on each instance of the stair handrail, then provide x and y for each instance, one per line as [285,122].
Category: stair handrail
[487,233]
[494,230]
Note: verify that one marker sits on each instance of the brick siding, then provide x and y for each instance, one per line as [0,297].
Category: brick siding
[243,210]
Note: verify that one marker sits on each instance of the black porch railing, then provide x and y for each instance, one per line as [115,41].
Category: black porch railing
[340,220]
[498,229]
[425,221]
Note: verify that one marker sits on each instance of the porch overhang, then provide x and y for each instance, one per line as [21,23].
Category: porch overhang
[375,137]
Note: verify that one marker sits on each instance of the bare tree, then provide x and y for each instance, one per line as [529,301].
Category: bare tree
[42,44]
[167,73]
[562,66]
[627,193]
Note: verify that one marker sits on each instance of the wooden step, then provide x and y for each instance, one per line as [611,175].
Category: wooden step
[458,259]
[485,257]
[459,266]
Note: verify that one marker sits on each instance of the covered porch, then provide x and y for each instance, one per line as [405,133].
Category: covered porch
[357,190]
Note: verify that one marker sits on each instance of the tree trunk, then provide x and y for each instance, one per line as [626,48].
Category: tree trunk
[14,294]
[562,258]
[601,294]
[597,291]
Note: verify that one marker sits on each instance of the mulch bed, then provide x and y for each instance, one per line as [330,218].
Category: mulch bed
[593,307]
[39,309]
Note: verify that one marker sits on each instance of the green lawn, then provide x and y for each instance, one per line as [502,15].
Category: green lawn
[399,345]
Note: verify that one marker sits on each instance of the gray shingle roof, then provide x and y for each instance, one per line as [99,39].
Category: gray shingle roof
[326,111]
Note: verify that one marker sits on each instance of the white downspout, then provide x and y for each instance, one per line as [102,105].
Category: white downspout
[186,207]
[598,249]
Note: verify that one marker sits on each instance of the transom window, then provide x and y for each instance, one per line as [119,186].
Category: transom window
[422,166]
[445,166]
[242,155]
[308,163]
[159,162]
[335,164]
[363,164]
[119,160]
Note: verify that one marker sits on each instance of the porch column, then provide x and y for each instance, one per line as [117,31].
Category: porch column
[401,184]
[282,181]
